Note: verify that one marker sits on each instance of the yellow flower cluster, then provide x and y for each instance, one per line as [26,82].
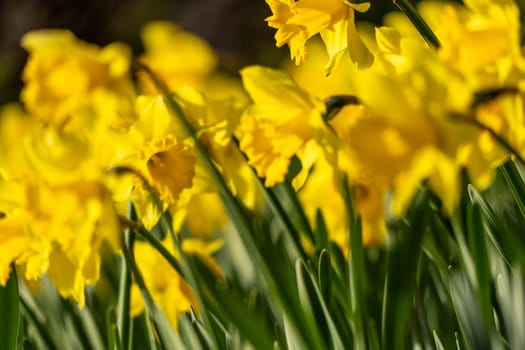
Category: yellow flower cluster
[415,115]
[88,141]
[392,115]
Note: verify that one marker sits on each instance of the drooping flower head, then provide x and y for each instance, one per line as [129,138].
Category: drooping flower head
[56,209]
[298,21]
[281,123]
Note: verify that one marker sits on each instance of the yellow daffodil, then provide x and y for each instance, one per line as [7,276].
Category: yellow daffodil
[162,153]
[57,212]
[310,75]
[168,289]
[282,120]
[321,192]
[298,21]
[410,129]
[67,79]
[177,57]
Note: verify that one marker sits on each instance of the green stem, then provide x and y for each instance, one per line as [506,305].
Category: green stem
[151,308]
[356,266]
[123,319]
[502,142]
[127,251]
[277,209]
[419,23]
[335,103]
[41,331]
[304,225]
[162,250]
[515,183]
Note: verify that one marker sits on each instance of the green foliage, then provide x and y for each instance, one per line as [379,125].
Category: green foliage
[439,282]
[10,313]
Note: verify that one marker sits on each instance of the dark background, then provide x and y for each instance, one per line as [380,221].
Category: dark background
[235,28]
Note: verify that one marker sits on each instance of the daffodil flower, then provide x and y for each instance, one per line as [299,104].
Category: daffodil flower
[282,122]
[298,21]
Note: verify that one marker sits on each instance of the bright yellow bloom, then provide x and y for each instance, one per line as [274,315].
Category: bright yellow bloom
[415,125]
[163,155]
[158,154]
[15,127]
[280,123]
[56,212]
[311,77]
[321,192]
[67,79]
[480,39]
[298,21]
[168,289]
[179,58]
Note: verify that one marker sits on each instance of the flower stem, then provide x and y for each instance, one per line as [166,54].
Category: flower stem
[162,250]
[502,142]
[123,320]
[335,103]
[422,27]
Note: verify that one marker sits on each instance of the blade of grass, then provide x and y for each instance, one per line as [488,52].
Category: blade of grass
[325,277]
[419,23]
[478,249]
[123,298]
[165,331]
[277,209]
[288,192]
[515,182]
[490,219]
[324,317]
[402,263]
[356,267]
[33,316]
[112,331]
[10,312]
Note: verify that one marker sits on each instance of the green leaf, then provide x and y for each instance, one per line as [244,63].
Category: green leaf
[10,313]
[124,290]
[419,23]
[311,296]
[309,301]
[356,268]
[515,183]
[489,218]
[281,337]
[402,263]
[478,249]
[189,334]
[464,301]
[114,342]
[321,232]
[437,341]
[288,193]
[325,277]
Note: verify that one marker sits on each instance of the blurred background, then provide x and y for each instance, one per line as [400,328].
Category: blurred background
[235,28]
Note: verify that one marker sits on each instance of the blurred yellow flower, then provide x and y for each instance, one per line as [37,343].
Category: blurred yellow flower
[322,192]
[410,130]
[311,77]
[168,289]
[178,57]
[67,79]
[56,212]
